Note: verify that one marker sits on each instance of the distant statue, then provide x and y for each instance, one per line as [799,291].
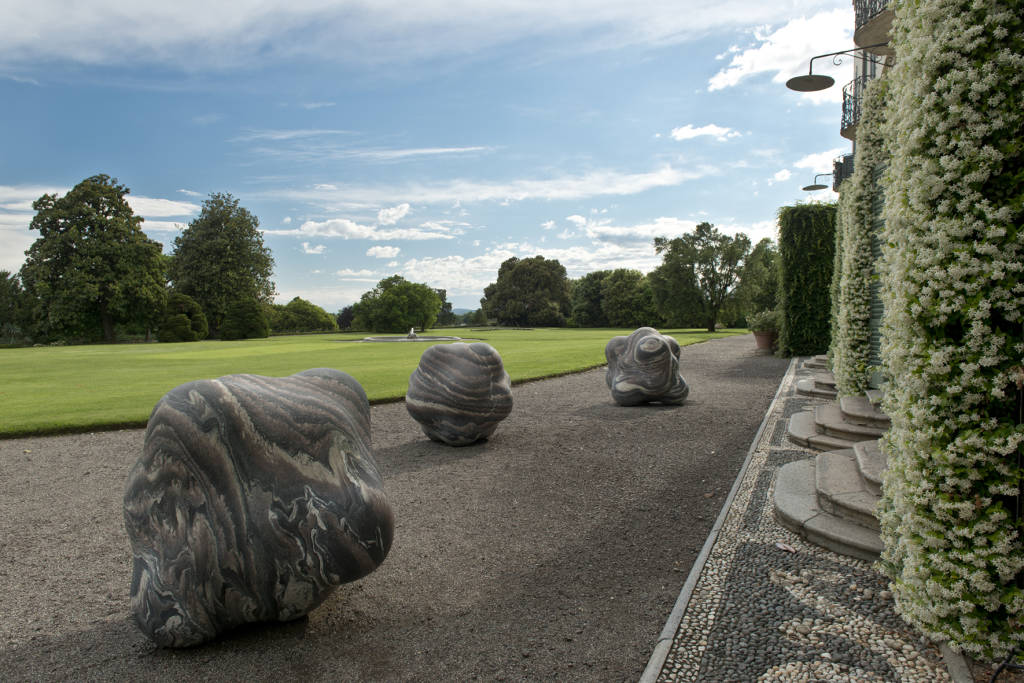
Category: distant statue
[644,368]
[412,333]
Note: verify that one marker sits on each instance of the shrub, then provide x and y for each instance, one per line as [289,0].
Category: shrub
[765,321]
[176,328]
[244,320]
[806,259]
[171,329]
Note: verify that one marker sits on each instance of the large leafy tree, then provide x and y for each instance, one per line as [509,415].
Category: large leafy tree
[530,291]
[703,267]
[13,307]
[585,300]
[220,259]
[758,289]
[445,317]
[396,305]
[627,300]
[299,315]
[92,267]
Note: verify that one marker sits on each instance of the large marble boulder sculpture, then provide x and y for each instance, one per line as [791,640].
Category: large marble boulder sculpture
[644,368]
[459,392]
[253,499]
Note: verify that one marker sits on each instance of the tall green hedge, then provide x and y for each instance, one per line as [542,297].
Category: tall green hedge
[806,257]
[953,332]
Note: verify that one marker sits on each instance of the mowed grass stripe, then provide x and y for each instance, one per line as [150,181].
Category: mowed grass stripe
[47,390]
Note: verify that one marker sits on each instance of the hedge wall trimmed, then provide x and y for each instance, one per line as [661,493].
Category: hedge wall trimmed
[807,254]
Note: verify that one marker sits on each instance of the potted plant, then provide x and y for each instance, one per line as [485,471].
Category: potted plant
[765,326]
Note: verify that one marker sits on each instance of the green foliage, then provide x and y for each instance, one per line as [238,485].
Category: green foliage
[445,317]
[14,308]
[758,289]
[765,321]
[698,274]
[344,318]
[953,329]
[182,307]
[220,258]
[529,292]
[627,300]
[92,267]
[806,260]
[244,319]
[396,305]
[299,315]
[585,300]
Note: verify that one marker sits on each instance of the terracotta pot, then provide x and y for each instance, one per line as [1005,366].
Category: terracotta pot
[765,339]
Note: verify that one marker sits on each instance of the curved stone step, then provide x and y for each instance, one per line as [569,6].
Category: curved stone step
[796,508]
[830,420]
[825,380]
[807,387]
[804,430]
[871,462]
[816,363]
[859,410]
[841,491]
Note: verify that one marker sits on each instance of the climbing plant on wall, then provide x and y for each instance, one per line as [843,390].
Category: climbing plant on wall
[953,339]
[851,332]
[806,255]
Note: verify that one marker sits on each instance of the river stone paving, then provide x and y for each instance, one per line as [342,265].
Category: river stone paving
[768,606]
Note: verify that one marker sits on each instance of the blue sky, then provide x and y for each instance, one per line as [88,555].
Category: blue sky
[435,140]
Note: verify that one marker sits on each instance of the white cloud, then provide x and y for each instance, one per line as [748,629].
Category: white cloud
[383,252]
[782,176]
[318,249]
[820,162]
[390,216]
[576,220]
[592,184]
[197,34]
[330,298]
[286,220]
[785,53]
[152,206]
[162,226]
[253,134]
[325,186]
[349,274]
[548,225]
[719,133]
[190,193]
[316,105]
[349,229]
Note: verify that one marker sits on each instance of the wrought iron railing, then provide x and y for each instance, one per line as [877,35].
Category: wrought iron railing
[866,10]
[842,168]
[853,98]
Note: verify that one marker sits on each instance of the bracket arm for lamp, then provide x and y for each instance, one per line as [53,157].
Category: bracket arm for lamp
[813,82]
[816,185]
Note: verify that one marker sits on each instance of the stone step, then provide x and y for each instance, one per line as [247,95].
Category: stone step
[831,422]
[841,490]
[796,508]
[825,380]
[871,462]
[875,396]
[803,430]
[807,387]
[817,362]
[859,410]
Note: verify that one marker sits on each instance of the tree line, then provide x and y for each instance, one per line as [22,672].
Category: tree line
[93,275]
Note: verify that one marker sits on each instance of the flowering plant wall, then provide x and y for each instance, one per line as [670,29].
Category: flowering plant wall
[851,330]
[953,335]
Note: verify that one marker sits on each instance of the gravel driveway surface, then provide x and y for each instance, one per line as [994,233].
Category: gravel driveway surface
[553,551]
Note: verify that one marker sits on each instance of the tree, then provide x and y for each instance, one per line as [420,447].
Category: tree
[445,318]
[344,317]
[13,307]
[299,315]
[705,263]
[396,305]
[585,300]
[532,291]
[92,267]
[627,300]
[244,319]
[758,289]
[183,321]
[220,258]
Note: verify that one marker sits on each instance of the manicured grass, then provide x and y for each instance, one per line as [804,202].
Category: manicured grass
[83,388]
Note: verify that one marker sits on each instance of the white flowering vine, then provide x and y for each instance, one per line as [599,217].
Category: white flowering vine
[851,330]
[953,333]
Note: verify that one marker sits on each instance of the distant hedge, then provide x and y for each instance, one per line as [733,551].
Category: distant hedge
[806,256]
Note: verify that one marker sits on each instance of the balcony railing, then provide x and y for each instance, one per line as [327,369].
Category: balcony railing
[866,10]
[842,168]
[853,98]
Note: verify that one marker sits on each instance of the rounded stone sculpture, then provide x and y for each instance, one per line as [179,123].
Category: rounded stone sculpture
[253,499]
[644,368]
[459,392]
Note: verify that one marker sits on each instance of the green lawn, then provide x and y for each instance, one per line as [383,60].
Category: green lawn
[80,388]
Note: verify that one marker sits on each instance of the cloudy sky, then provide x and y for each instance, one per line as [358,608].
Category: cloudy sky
[432,139]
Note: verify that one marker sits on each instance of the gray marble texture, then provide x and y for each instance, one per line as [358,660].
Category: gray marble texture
[253,499]
[459,392]
[644,368]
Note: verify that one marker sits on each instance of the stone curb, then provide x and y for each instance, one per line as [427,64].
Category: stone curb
[664,644]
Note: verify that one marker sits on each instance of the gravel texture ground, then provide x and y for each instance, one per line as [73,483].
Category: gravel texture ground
[553,551]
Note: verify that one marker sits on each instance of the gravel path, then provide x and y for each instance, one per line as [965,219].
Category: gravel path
[554,550]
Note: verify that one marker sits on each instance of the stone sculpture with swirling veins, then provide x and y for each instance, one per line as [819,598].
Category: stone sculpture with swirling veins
[644,368]
[253,499]
[459,392]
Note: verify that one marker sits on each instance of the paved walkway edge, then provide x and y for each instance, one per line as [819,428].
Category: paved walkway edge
[664,644]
